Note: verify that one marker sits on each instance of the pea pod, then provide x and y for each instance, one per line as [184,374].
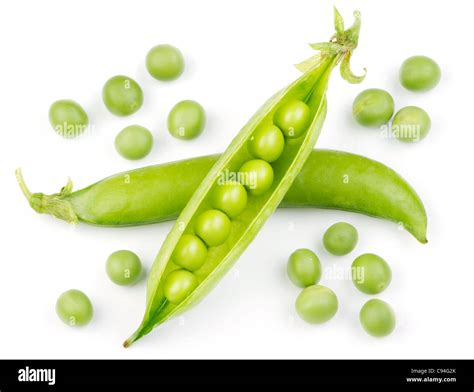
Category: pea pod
[299,111]
[329,179]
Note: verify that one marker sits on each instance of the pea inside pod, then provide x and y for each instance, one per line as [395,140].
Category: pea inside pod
[287,110]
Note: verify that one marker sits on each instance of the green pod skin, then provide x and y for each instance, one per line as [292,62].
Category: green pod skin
[329,179]
[311,89]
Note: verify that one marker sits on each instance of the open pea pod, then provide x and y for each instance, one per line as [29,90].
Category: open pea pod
[177,279]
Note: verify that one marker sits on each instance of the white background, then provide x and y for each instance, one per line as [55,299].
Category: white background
[237,53]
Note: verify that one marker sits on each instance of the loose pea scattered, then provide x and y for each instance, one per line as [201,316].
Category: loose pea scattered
[373,107]
[122,95]
[186,120]
[316,304]
[257,176]
[293,118]
[411,124]
[267,143]
[371,274]
[134,142]
[190,252]
[340,239]
[377,318]
[124,267]
[419,73]
[304,268]
[178,285]
[165,62]
[68,118]
[230,198]
[74,308]
[213,226]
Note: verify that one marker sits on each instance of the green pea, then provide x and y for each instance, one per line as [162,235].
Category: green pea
[316,304]
[68,118]
[178,285]
[213,226]
[124,267]
[165,62]
[186,120]
[257,176]
[230,198]
[371,274]
[122,95]
[134,142]
[304,268]
[293,118]
[340,239]
[373,107]
[74,308]
[411,124]
[419,73]
[266,143]
[190,252]
[377,318]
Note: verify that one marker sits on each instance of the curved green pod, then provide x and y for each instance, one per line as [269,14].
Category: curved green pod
[329,179]
[162,300]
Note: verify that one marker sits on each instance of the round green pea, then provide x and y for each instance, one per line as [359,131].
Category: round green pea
[134,142]
[316,304]
[190,252]
[373,107]
[411,124]
[74,308]
[377,318]
[419,73]
[122,95]
[257,176]
[123,267]
[230,197]
[293,118]
[178,285]
[370,273]
[340,239]
[186,120]
[304,268]
[68,118]
[213,226]
[165,62]
[266,143]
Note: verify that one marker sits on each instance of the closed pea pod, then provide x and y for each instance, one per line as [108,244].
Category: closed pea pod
[164,299]
[329,179]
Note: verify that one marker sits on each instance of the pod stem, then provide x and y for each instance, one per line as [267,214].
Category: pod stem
[341,45]
[55,204]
